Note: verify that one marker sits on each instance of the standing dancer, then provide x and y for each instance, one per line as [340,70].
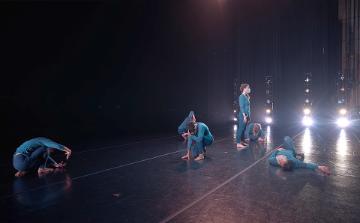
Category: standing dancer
[243,116]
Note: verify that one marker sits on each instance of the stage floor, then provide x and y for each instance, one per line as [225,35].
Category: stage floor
[146,181]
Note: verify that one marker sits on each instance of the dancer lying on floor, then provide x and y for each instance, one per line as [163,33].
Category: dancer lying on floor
[254,132]
[183,129]
[35,154]
[200,137]
[285,158]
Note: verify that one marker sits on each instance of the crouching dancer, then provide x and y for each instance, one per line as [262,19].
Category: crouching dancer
[34,154]
[200,137]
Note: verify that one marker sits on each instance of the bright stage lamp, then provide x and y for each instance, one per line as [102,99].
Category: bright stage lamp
[307,111]
[343,111]
[268,120]
[307,121]
[235,119]
[343,122]
[268,111]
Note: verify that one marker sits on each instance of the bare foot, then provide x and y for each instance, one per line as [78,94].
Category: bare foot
[240,145]
[20,173]
[186,157]
[44,171]
[200,157]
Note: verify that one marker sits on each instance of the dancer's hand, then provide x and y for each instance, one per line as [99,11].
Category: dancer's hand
[60,165]
[324,169]
[67,152]
[185,135]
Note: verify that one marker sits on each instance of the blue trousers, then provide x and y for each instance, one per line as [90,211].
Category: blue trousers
[199,147]
[26,162]
[240,132]
[289,144]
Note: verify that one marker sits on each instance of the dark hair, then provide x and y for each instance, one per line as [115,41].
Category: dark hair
[289,166]
[192,127]
[243,86]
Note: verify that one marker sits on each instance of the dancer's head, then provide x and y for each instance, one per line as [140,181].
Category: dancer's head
[245,88]
[192,128]
[256,128]
[285,164]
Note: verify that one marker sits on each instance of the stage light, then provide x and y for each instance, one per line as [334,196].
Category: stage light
[306,142]
[235,127]
[307,79]
[307,121]
[307,111]
[235,119]
[343,122]
[268,120]
[342,111]
[307,101]
[234,110]
[307,90]
[268,111]
[342,147]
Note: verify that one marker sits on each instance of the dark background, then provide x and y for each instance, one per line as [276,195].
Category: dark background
[100,70]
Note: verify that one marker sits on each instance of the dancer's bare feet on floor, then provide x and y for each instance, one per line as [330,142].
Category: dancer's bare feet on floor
[44,171]
[200,157]
[241,146]
[186,157]
[20,173]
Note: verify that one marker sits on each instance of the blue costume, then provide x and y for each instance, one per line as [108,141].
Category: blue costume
[34,153]
[244,104]
[184,126]
[249,133]
[289,151]
[203,137]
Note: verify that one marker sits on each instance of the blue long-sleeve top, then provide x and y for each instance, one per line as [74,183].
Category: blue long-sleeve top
[30,145]
[249,133]
[290,156]
[244,104]
[203,132]
[184,125]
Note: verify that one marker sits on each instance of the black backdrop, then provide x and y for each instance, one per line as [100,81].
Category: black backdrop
[74,71]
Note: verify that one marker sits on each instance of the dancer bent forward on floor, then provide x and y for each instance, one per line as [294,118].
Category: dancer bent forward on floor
[200,137]
[34,154]
[254,133]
